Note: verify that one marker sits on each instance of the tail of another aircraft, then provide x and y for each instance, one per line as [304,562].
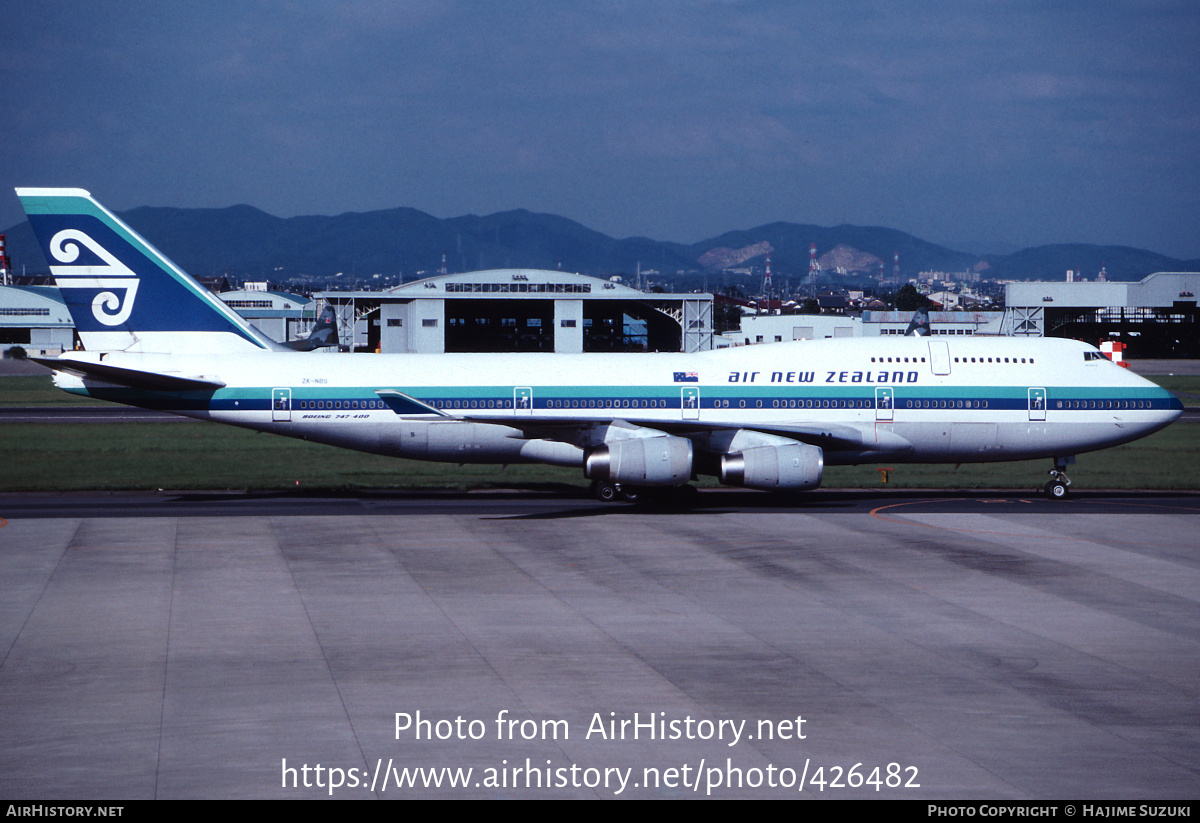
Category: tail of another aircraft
[919,326]
[324,333]
[123,294]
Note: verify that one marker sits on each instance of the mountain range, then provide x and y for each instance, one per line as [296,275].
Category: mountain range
[252,244]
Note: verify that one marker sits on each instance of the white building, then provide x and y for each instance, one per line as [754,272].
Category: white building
[778,328]
[521,310]
[36,319]
[1154,317]
[279,315]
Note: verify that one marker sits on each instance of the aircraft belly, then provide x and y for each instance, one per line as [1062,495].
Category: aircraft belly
[974,441]
[964,442]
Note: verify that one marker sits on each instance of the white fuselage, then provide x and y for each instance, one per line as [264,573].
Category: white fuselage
[914,399]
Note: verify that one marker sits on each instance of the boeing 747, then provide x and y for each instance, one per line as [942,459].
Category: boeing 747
[765,417]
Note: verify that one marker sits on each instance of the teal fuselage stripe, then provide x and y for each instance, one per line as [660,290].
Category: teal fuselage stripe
[555,399]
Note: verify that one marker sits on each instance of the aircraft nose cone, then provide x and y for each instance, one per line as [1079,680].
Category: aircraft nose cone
[1176,408]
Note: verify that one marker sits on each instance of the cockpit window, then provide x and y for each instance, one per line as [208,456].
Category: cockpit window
[1093,355]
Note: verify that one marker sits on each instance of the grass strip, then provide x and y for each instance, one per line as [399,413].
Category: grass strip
[64,457]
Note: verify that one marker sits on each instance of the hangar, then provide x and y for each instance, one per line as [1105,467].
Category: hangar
[777,328]
[1155,317]
[521,310]
[36,319]
[280,315]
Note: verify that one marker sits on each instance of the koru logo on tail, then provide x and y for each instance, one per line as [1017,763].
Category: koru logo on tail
[107,307]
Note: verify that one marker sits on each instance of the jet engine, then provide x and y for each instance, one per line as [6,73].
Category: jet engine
[772,468]
[642,461]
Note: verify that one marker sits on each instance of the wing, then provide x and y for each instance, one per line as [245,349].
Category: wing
[581,432]
[133,378]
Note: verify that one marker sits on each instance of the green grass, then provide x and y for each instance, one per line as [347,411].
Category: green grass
[1169,459]
[1185,387]
[60,457]
[38,390]
[57,457]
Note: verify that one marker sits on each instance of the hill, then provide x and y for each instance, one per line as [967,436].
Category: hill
[255,245]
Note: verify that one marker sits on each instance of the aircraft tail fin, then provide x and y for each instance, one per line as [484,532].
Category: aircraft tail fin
[324,333]
[124,294]
[919,326]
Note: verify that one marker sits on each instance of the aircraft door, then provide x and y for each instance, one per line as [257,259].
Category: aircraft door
[689,402]
[281,405]
[883,402]
[1037,404]
[523,401]
[939,356]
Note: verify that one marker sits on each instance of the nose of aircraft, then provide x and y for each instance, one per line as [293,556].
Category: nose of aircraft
[1176,405]
[1167,406]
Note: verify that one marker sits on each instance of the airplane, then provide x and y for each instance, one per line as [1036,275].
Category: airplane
[919,325]
[767,417]
[324,333]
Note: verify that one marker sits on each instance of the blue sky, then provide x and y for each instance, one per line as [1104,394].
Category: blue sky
[1002,122]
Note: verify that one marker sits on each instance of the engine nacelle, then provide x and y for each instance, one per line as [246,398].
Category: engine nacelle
[770,468]
[459,441]
[642,461]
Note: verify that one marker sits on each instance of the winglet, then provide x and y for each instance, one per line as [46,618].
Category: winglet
[401,403]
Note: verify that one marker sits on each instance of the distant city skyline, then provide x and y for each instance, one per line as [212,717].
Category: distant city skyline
[1001,124]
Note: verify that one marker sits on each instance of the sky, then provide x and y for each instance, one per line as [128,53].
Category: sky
[961,122]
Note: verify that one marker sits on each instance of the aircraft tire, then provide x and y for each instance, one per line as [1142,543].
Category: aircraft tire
[632,494]
[1056,490]
[605,492]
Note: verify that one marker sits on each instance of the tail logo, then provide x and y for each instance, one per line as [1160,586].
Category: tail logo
[107,307]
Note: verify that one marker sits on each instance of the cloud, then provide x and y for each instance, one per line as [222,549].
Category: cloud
[632,115]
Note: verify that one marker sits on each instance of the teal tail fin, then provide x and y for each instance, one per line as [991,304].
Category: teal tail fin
[123,294]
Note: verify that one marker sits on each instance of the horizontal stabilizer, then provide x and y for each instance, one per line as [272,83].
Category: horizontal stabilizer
[132,378]
[401,403]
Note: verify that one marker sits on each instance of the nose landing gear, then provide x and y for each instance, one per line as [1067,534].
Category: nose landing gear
[1059,484]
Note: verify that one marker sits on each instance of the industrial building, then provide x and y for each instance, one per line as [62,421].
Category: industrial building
[1154,317]
[280,315]
[536,310]
[778,328]
[946,323]
[520,310]
[36,319]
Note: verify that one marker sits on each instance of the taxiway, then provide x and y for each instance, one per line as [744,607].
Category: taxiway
[1000,646]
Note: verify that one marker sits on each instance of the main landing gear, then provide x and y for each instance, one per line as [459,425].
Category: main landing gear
[1059,484]
[607,492]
